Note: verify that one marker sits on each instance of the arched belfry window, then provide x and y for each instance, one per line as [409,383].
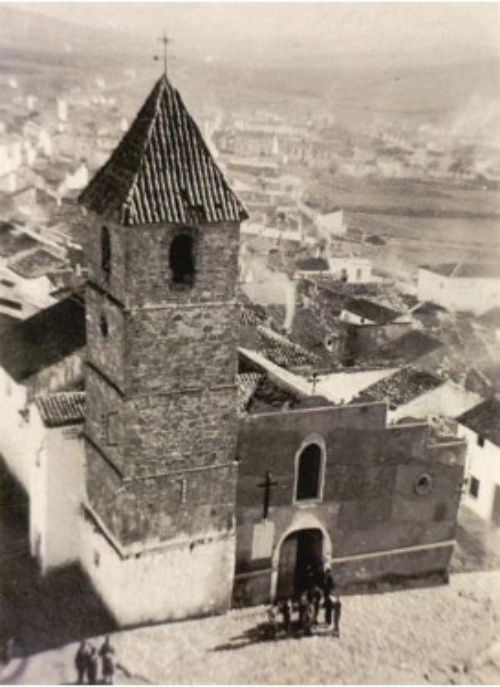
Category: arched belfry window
[309,475]
[105,251]
[181,259]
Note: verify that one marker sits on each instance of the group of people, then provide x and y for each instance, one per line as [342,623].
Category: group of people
[318,594]
[87,663]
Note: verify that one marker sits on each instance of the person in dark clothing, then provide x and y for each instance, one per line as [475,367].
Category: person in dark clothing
[287,613]
[272,623]
[316,598]
[303,603]
[92,666]
[328,606]
[337,611]
[307,619]
[81,661]
[328,582]
[106,652]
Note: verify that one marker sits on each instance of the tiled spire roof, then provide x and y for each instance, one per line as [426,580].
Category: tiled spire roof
[162,171]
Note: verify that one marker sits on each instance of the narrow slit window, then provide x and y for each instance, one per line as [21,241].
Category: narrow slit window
[106,251]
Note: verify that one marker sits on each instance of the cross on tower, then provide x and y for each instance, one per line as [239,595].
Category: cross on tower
[164,40]
[267,484]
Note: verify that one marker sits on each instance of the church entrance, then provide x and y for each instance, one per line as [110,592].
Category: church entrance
[301,557]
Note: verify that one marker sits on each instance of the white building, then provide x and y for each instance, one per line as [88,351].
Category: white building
[37,356]
[56,480]
[345,269]
[481,427]
[351,270]
[461,287]
[22,297]
[331,224]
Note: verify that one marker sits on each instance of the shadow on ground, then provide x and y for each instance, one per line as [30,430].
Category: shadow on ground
[40,612]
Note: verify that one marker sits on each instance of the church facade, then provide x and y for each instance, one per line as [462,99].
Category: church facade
[192,504]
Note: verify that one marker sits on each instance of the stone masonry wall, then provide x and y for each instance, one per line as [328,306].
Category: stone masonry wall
[369,501]
[181,347]
[148,275]
[106,352]
[166,437]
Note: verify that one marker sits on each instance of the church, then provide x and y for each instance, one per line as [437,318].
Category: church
[195,499]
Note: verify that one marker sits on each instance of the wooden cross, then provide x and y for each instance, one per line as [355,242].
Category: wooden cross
[267,485]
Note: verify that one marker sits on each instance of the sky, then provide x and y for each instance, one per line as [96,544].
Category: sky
[423,32]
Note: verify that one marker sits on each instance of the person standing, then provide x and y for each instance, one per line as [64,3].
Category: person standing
[106,652]
[337,611]
[307,619]
[328,582]
[303,603]
[272,620]
[287,612]
[92,666]
[328,606]
[316,598]
[81,662]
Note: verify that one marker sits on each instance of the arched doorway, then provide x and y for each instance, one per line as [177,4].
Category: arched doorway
[300,561]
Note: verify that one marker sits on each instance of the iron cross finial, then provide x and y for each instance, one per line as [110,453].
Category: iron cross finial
[164,40]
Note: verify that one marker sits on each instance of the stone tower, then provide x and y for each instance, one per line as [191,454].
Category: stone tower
[158,530]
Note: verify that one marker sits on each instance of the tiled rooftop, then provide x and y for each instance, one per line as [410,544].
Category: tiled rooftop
[247,384]
[63,408]
[484,419]
[406,349]
[400,388]
[375,312]
[162,170]
[36,263]
[312,265]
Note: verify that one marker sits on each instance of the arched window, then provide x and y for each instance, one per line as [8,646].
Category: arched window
[309,473]
[105,251]
[181,261]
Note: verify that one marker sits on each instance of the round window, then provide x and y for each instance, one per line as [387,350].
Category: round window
[423,485]
[104,326]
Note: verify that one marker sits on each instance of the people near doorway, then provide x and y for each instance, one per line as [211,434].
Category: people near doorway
[311,575]
[287,613]
[328,606]
[303,603]
[106,652]
[81,662]
[92,666]
[328,582]
[307,619]
[316,598]
[272,623]
[337,611]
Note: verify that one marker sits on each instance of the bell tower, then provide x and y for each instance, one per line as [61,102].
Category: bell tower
[161,425]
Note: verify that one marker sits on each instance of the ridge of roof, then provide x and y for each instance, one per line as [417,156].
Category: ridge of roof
[162,170]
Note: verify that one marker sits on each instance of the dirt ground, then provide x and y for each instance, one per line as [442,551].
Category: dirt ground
[439,635]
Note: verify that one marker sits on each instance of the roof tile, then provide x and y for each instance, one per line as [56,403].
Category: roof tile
[162,171]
